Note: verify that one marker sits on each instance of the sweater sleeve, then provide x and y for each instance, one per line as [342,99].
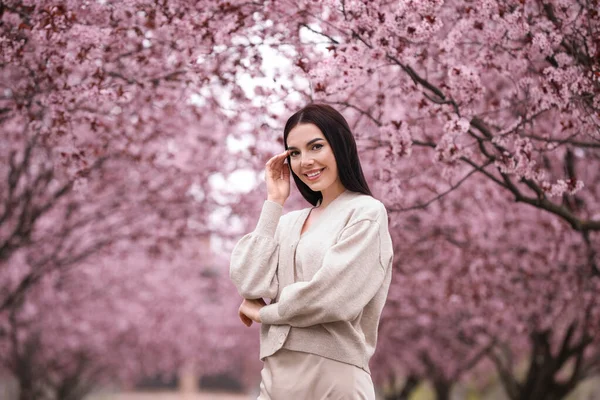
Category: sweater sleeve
[351,274]
[254,259]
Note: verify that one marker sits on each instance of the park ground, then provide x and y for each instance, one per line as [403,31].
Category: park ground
[589,390]
[169,396]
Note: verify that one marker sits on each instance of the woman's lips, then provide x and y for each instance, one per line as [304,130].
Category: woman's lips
[315,177]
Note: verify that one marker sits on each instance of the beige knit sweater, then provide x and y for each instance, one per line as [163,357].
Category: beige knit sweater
[328,285]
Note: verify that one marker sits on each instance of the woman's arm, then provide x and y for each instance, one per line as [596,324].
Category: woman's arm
[353,271]
[254,260]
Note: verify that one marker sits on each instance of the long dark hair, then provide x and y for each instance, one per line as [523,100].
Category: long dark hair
[338,134]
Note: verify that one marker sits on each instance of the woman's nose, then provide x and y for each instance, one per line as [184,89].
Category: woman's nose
[306,161]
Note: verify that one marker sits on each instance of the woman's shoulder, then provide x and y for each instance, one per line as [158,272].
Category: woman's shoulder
[365,202]
[364,207]
[290,216]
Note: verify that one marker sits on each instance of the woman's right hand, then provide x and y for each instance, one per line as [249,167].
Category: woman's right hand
[249,311]
[277,177]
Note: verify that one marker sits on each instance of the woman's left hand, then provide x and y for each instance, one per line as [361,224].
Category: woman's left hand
[249,311]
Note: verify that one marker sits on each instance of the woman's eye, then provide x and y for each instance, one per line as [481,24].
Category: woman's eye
[293,154]
[317,146]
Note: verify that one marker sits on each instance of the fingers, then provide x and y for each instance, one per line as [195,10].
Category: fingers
[241,314]
[277,159]
[249,310]
[275,168]
[247,321]
[246,309]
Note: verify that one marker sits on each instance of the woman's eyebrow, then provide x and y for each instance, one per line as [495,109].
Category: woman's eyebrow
[307,143]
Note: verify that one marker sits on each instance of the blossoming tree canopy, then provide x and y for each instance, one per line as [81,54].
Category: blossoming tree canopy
[459,108]
[111,131]
[505,89]
[440,93]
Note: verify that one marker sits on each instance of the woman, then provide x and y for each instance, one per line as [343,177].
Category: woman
[326,268]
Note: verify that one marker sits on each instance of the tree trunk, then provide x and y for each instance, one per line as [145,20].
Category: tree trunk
[540,382]
[27,390]
[409,386]
[543,386]
[442,390]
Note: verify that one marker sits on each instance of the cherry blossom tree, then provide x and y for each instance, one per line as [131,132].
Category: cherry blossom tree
[477,121]
[107,280]
[450,99]
[110,135]
[489,284]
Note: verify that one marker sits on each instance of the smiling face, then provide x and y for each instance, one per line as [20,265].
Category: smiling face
[312,158]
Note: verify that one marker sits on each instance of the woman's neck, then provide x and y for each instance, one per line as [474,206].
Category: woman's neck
[331,193]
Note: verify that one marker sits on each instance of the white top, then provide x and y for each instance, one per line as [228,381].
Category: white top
[329,288]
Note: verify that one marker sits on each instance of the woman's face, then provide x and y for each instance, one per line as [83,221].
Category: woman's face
[311,157]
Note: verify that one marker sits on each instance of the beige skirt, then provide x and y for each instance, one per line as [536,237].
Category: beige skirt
[293,375]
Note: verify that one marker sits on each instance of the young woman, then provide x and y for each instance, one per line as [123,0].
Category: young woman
[326,268]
